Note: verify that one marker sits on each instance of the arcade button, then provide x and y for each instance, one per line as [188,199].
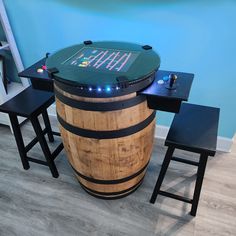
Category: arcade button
[165,78]
[160,81]
[40,70]
[44,67]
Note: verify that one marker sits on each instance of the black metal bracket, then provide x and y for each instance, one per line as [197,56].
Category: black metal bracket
[122,81]
[146,47]
[52,71]
[88,42]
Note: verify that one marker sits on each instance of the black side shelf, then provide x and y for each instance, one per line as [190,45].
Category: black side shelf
[161,98]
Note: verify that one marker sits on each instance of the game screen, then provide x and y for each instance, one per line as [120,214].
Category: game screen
[102,59]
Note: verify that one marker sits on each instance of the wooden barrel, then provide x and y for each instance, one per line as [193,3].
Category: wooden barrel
[108,141]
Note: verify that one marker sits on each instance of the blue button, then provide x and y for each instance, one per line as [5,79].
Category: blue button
[166,78]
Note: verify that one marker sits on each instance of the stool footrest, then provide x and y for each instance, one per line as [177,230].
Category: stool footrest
[56,133]
[178,159]
[33,142]
[57,150]
[177,197]
[37,161]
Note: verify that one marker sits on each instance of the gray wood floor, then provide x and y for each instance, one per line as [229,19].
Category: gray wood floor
[32,203]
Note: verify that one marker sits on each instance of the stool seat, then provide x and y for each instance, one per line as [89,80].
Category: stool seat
[29,102]
[194,129]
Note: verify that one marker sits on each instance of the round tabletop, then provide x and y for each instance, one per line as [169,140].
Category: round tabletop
[103,65]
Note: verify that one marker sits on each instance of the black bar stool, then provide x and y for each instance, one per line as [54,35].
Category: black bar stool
[193,129]
[30,104]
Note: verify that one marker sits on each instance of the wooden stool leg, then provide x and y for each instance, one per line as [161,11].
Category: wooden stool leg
[48,126]
[198,184]
[44,146]
[160,179]
[19,141]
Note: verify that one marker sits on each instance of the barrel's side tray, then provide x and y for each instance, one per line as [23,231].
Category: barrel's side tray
[160,97]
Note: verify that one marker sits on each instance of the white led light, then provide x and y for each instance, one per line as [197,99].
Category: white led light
[117,88]
[99,89]
[90,89]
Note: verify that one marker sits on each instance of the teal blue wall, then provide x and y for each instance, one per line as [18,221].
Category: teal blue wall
[196,36]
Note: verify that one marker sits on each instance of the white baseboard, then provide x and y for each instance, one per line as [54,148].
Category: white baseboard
[161,131]
[52,110]
[223,144]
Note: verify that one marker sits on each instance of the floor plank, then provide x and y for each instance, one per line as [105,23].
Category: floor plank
[34,203]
